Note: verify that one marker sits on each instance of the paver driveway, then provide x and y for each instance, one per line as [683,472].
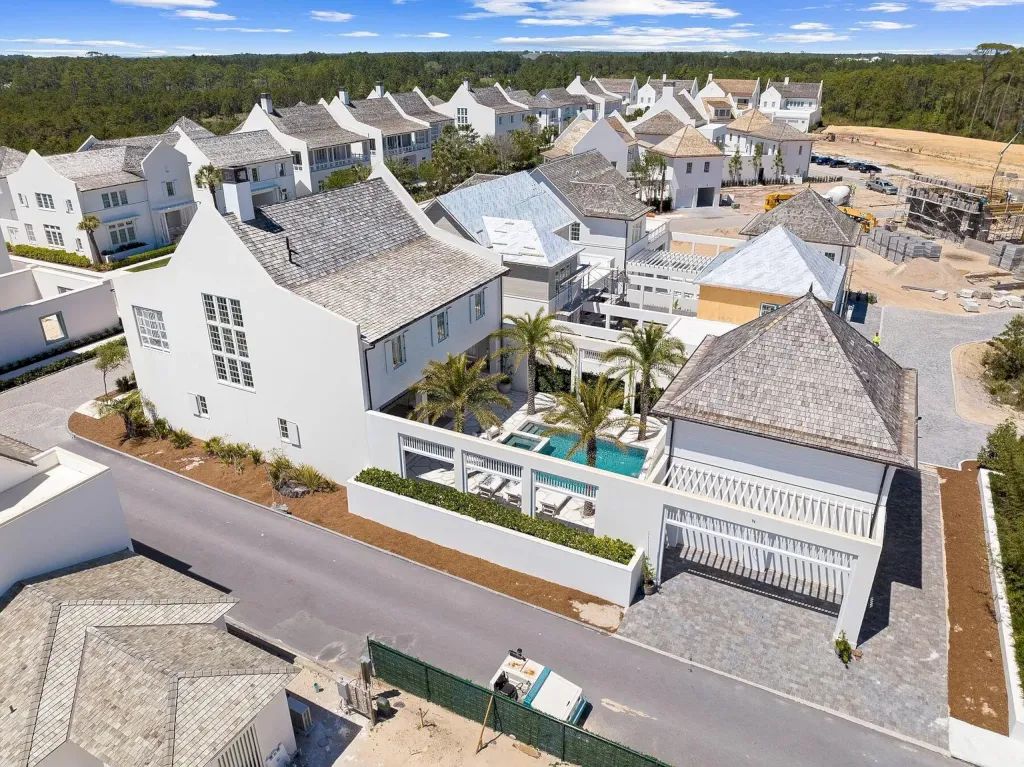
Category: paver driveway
[38,412]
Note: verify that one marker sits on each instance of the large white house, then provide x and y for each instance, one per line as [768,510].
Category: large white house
[694,168]
[283,328]
[10,161]
[741,94]
[625,88]
[416,106]
[610,136]
[653,89]
[393,134]
[743,136]
[605,102]
[489,110]
[567,105]
[798,104]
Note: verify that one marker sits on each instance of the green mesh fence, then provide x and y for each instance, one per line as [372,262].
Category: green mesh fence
[469,700]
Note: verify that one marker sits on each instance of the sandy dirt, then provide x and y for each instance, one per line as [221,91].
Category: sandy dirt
[967,160]
[751,198]
[973,402]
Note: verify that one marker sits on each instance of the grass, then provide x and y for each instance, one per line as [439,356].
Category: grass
[156,264]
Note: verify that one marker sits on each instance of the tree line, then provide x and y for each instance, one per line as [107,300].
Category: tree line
[53,104]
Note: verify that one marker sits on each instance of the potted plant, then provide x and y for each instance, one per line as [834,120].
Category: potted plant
[507,369]
[650,586]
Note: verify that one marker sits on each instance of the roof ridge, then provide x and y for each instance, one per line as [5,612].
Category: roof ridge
[32,717]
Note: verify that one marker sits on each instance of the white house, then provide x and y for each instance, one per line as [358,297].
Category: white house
[610,136]
[624,88]
[566,105]
[416,106]
[10,161]
[142,196]
[744,134]
[393,135]
[652,90]
[814,220]
[694,168]
[798,104]
[317,142]
[741,94]
[488,110]
[604,101]
[535,234]
[281,329]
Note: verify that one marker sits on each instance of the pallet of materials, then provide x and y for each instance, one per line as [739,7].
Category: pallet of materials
[1008,256]
[899,246]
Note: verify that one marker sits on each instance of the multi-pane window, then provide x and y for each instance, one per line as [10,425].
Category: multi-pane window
[635,232]
[462,116]
[477,308]
[30,232]
[23,199]
[199,408]
[289,432]
[280,170]
[169,188]
[114,199]
[441,326]
[12,232]
[53,235]
[398,351]
[689,167]
[574,231]
[69,205]
[707,166]
[44,201]
[122,232]
[152,332]
[330,155]
[255,174]
[228,341]
[297,160]
[768,308]
[78,244]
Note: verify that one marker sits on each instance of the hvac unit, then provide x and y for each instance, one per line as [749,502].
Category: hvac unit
[302,718]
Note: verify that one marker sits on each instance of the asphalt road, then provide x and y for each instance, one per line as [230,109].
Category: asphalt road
[322,595]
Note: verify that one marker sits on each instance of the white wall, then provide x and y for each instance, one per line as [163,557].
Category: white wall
[36,175]
[274,726]
[605,139]
[483,119]
[161,165]
[684,185]
[796,156]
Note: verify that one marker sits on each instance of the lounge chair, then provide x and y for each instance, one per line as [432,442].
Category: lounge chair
[514,493]
[490,486]
[551,502]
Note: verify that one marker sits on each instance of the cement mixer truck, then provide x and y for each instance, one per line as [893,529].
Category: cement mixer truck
[838,195]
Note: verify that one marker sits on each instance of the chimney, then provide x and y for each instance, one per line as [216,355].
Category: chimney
[668,90]
[343,96]
[465,83]
[786,81]
[266,103]
[711,76]
[664,76]
[238,193]
[380,89]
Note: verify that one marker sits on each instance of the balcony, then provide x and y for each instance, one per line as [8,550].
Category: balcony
[355,159]
[400,150]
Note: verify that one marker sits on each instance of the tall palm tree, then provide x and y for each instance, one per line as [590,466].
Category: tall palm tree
[457,388]
[209,177]
[130,409]
[532,337]
[89,224]
[585,415]
[531,122]
[647,351]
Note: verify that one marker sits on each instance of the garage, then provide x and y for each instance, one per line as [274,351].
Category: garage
[706,197]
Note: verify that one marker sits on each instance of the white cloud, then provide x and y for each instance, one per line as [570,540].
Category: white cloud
[811,25]
[598,9]
[168,3]
[740,26]
[48,51]
[205,15]
[358,34]
[434,35]
[330,16]
[886,8]
[809,38]
[966,5]
[538,21]
[247,30]
[63,41]
[883,26]
[641,39]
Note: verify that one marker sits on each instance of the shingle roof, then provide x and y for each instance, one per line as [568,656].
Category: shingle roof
[796,90]
[99,168]
[381,114]
[776,262]
[801,374]
[107,654]
[10,160]
[358,252]
[810,217]
[525,97]
[737,87]
[677,84]
[618,124]
[617,85]
[661,124]
[560,97]
[756,123]
[477,178]
[191,128]
[570,137]
[687,142]
[495,99]
[242,149]
[412,104]
[436,101]
[17,451]
[314,125]
[593,186]
[686,102]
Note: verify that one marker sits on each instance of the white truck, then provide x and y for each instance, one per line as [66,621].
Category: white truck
[539,688]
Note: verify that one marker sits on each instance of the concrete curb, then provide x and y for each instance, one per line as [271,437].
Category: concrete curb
[587,626]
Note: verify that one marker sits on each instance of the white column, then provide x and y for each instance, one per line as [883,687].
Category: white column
[858,592]
[494,347]
[607,321]
[460,470]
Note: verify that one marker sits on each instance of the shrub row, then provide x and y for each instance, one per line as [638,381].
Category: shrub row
[138,258]
[52,255]
[46,370]
[483,510]
[77,344]
[122,248]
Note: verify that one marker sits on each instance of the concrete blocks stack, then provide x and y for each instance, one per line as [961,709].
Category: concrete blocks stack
[1008,256]
[899,246]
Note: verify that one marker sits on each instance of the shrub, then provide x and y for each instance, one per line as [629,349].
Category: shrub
[256,456]
[234,453]
[126,383]
[279,469]
[313,479]
[55,350]
[138,258]
[51,255]
[484,510]
[161,428]
[213,446]
[843,648]
[180,438]
[122,248]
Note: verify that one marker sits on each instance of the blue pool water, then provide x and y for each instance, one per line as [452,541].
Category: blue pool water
[628,462]
[523,443]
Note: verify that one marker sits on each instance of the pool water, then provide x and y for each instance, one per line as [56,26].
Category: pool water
[522,442]
[628,462]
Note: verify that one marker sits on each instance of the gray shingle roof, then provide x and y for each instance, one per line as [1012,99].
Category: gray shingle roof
[495,99]
[661,124]
[687,142]
[689,107]
[802,375]
[413,105]
[560,97]
[525,97]
[10,160]
[570,137]
[358,252]
[776,262]
[436,101]
[99,168]
[796,90]
[191,128]
[14,450]
[755,123]
[477,178]
[247,148]
[381,114]
[105,654]
[810,217]
[314,125]
[618,85]
[593,186]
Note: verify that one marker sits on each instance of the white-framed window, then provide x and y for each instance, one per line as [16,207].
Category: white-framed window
[689,167]
[397,356]
[462,116]
[830,256]
[169,189]
[574,231]
[198,403]
[78,244]
[707,166]
[114,199]
[635,231]
[501,120]
[53,327]
[477,305]
[440,322]
[228,343]
[254,174]
[44,201]
[69,206]
[289,432]
[152,331]
[121,233]
[22,200]
[53,235]
[768,308]
[280,170]
[30,232]
[297,160]
[12,232]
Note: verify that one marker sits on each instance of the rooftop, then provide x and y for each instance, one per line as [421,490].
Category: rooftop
[593,186]
[436,101]
[776,262]
[793,90]
[14,450]
[495,99]
[810,217]
[242,149]
[801,375]
[100,168]
[525,97]
[570,137]
[660,124]
[687,142]
[381,114]
[756,123]
[10,160]
[314,125]
[190,128]
[737,87]
[620,86]
[560,97]
[333,249]
[594,89]
[412,104]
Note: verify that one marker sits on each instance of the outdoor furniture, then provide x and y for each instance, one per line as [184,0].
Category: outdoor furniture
[514,493]
[551,502]
[490,486]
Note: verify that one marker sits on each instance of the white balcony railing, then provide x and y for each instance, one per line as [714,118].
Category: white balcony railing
[779,499]
[399,150]
[343,163]
[657,232]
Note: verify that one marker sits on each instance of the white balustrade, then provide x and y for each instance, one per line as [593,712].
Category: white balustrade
[427,448]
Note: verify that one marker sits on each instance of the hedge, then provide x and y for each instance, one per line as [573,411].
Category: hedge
[484,510]
[138,258]
[76,344]
[51,255]
[151,265]
[45,370]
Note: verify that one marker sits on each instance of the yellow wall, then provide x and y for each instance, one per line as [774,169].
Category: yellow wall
[735,306]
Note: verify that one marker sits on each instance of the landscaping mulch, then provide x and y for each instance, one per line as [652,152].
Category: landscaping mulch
[977,686]
[330,510]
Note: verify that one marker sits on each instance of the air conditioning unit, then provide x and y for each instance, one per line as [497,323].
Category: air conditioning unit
[302,718]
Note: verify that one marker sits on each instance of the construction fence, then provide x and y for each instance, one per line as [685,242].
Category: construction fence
[470,701]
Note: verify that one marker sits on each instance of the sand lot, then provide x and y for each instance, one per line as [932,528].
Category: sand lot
[973,402]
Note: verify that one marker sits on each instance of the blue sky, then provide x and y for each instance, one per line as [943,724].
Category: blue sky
[183,27]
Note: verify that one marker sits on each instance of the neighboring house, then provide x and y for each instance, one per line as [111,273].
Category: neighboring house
[568,105]
[123,662]
[694,168]
[10,161]
[814,220]
[652,90]
[753,128]
[797,104]
[678,103]
[255,169]
[604,102]
[536,235]
[613,222]
[487,110]
[741,94]
[283,328]
[44,305]
[765,273]
[141,193]
[56,509]
[609,136]
[414,105]
[317,142]
[655,127]
[393,135]
[625,89]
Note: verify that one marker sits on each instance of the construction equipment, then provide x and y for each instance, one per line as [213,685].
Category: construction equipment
[774,199]
[867,221]
[539,688]
[839,195]
[958,212]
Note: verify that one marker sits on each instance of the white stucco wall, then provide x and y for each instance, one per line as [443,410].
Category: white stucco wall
[684,185]
[274,726]
[606,140]
[36,175]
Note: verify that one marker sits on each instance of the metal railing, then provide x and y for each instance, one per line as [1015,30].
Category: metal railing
[353,160]
[493,466]
[406,149]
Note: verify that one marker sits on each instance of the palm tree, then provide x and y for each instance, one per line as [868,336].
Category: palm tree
[208,176]
[646,352]
[457,388]
[532,337]
[531,122]
[130,409]
[89,224]
[585,415]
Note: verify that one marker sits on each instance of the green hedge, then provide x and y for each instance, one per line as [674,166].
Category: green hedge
[138,258]
[46,370]
[483,510]
[51,255]
[77,344]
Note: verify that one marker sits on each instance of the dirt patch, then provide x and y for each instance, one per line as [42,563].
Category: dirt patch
[977,688]
[925,273]
[330,510]
[973,402]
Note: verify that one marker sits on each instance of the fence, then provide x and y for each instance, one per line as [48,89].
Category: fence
[469,700]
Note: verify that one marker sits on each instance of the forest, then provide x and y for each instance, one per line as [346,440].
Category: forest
[53,104]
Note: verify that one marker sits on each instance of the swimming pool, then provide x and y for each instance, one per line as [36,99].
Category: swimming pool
[628,462]
[521,441]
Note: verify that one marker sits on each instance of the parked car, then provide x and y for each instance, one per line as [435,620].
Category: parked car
[866,167]
[855,164]
[883,185]
[837,162]
[822,159]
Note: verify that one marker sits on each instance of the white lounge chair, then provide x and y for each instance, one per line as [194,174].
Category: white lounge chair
[490,486]
[551,502]
[514,493]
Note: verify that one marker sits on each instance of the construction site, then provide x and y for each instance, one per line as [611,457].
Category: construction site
[963,213]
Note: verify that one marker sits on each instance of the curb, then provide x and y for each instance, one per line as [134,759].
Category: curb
[587,626]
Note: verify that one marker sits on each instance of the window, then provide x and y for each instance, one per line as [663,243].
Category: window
[229,344]
[53,328]
[441,326]
[707,166]
[121,233]
[477,307]
[114,199]
[800,150]
[69,206]
[22,199]
[199,408]
[768,308]
[297,160]
[30,232]
[280,170]
[397,351]
[289,432]
[255,174]
[12,232]
[635,231]
[53,235]
[615,163]
[169,188]
[501,120]
[689,167]
[574,231]
[462,116]
[152,332]
[78,244]
[44,201]
[830,256]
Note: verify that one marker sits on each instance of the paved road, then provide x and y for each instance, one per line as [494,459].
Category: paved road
[37,413]
[322,595]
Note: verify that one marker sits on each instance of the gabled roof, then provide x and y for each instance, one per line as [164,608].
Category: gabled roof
[676,84]
[313,124]
[810,217]
[413,105]
[360,253]
[524,97]
[777,262]
[590,183]
[242,149]
[661,124]
[15,450]
[477,178]
[560,97]
[100,168]
[737,87]
[687,142]
[490,96]
[436,101]
[10,160]
[755,123]
[684,100]
[620,86]
[381,114]
[191,128]
[120,656]
[793,90]
[619,125]
[802,375]
[594,89]
[570,137]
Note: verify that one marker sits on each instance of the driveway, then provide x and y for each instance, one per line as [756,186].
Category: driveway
[38,412]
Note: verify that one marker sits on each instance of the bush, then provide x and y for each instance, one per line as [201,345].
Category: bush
[45,370]
[279,469]
[126,383]
[180,438]
[483,510]
[843,648]
[313,479]
[161,428]
[122,248]
[54,351]
[213,446]
[256,456]
[138,258]
[52,255]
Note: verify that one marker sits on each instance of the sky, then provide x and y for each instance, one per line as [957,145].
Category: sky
[204,27]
